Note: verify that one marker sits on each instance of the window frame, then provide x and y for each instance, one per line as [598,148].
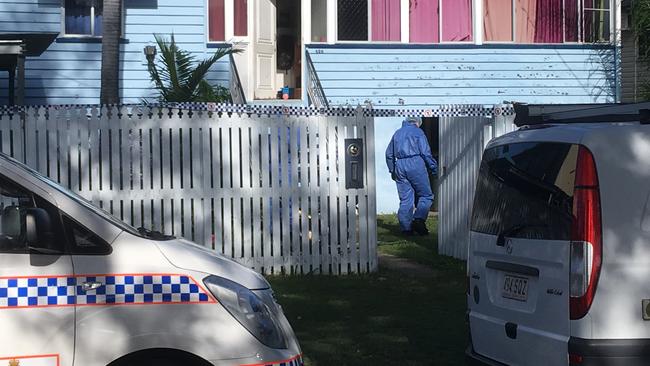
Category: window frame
[311,25]
[610,15]
[63,34]
[229,25]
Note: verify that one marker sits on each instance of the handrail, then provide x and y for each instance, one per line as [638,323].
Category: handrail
[237,95]
[314,87]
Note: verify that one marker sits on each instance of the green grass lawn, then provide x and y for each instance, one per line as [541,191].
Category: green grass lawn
[387,318]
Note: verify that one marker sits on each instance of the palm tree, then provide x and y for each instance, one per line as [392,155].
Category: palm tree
[112,29]
[179,78]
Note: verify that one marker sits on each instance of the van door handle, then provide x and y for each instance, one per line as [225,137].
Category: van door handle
[90,286]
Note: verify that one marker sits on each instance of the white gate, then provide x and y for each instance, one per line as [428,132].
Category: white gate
[265,189]
[463,136]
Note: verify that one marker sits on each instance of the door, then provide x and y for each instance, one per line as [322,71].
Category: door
[519,253]
[264,49]
[37,291]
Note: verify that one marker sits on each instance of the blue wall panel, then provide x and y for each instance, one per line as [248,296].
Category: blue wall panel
[417,76]
[69,71]
[30,16]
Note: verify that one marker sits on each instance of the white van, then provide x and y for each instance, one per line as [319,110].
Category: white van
[79,287]
[559,256]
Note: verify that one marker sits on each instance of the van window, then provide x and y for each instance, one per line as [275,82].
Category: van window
[12,201]
[84,241]
[525,190]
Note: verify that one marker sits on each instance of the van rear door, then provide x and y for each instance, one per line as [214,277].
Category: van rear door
[519,253]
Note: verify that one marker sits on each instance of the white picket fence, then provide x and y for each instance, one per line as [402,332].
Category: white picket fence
[266,190]
[463,137]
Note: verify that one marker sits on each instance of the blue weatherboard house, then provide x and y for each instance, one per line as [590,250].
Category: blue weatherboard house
[390,53]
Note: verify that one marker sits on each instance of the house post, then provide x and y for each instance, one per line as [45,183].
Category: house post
[20,66]
[12,85]
[618,43]
[305,24]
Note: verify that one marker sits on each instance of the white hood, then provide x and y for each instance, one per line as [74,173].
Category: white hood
[189,256]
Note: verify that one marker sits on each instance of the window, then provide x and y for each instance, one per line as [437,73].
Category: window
[83,17]
[13,200]
[423,21]
[85,241]
[363,20]
[497,20]
[352,20]
[433,21]
[526,190]
[456,20]
[241,18]
[596,24]
[318,21]
[385,20]
[546,21]
[217,19]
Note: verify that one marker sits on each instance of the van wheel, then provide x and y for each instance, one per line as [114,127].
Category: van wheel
[160,357]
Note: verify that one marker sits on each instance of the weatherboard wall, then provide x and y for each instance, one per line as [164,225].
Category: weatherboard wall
[19,16]
[69,71]
[419,76]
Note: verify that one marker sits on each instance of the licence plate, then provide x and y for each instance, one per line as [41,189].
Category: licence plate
[515,288]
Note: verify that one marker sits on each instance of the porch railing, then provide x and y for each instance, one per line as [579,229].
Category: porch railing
[236,91]
[314,87]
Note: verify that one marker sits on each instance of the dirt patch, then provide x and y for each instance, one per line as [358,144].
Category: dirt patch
[405,266]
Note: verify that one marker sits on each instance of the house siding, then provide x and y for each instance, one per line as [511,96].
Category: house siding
[420,76]
[69,71]
[634,73]
[30,16]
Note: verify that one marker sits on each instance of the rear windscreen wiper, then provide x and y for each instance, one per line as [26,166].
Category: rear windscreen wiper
[512,230]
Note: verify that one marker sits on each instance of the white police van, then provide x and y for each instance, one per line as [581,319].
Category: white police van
[79,287]
[559,257]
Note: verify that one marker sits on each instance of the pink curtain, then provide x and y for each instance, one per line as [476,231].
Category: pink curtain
[497,20]
[456,20]
[216,17]
[526,16]
[571,20]
[241,18]
[386,20]
[548,27]
[423,15]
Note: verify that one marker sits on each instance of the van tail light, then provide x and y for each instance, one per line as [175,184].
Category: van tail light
[586,236]
[575,359]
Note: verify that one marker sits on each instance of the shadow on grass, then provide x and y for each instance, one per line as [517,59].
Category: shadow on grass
[383,319]
[386,318]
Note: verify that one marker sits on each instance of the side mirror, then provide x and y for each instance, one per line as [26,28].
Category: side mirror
[38,230]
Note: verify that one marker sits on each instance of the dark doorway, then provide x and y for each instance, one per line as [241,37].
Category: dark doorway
[289,48]
[431,128]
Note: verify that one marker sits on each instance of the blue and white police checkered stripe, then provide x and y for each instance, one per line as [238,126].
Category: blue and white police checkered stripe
[127,289]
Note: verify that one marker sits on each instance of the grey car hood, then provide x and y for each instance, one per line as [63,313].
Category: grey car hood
[189,256]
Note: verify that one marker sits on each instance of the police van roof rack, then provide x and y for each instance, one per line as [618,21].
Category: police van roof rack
[541,114]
